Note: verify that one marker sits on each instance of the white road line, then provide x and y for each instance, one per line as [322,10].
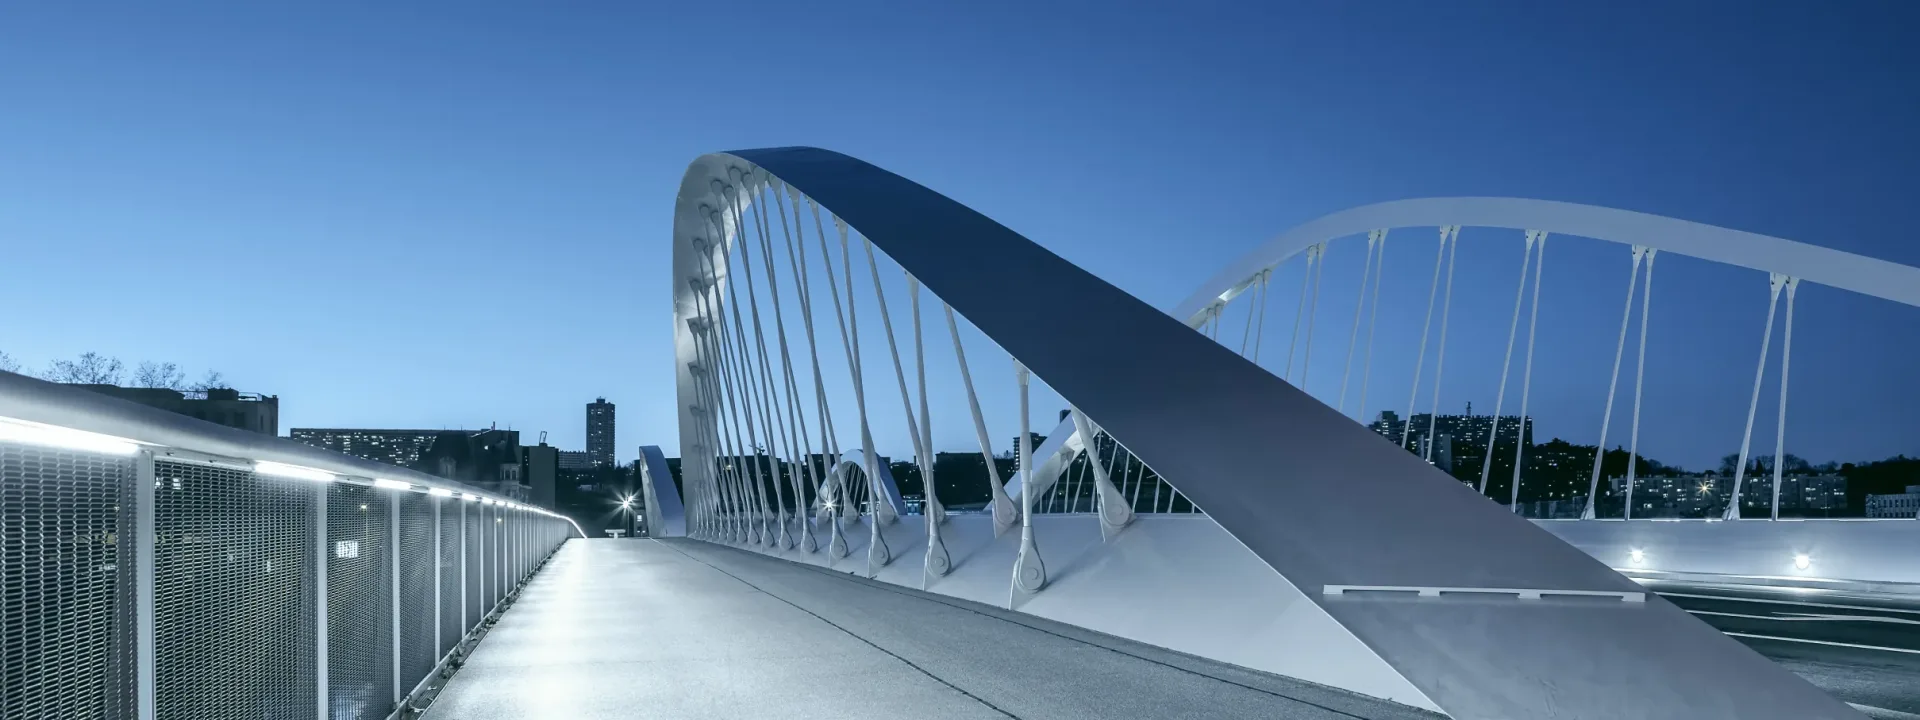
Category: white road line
[1821,642]
[1808,617]
[1880,713]
[1863,618]
[1800,603]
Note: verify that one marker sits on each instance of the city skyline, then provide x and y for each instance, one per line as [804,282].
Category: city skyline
[1382,360]
[269,164]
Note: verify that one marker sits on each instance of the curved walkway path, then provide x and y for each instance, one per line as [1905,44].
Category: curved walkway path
[687,629]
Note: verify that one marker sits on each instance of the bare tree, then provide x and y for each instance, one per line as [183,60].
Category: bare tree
[90,368]
[160,375]
[7,363]
[213,380]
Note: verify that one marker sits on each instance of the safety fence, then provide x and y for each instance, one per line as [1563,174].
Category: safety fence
[144,580]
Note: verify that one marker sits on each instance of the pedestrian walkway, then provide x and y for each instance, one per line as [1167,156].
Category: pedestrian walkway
[684,629]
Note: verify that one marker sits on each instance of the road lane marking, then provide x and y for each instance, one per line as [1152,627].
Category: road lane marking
[1880,713]
[1808,617]
[1821,642]
[1866,618]
[1800,603]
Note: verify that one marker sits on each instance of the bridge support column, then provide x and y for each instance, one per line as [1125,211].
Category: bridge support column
[1775,281]
[1029,573]
[1113,510]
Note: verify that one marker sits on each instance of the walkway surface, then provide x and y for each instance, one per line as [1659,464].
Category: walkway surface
[686,629]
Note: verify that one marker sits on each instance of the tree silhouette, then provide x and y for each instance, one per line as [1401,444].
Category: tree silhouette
[90,368]
[160,375]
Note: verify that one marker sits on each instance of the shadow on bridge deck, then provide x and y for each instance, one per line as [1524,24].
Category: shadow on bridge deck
[686,629]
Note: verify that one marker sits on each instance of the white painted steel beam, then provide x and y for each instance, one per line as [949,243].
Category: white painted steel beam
[1214,423]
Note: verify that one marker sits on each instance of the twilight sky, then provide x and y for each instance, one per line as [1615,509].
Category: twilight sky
[450,214]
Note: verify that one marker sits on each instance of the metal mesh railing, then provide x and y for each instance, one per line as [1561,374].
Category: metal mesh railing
[476,602]
[490,555]
[66,609]
[499,569]
[448,512]
[417,656]
[359,603]
[259,596]
[234,594]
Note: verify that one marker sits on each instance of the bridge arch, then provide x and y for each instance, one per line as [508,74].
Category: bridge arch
[1277,470]
[1812,263]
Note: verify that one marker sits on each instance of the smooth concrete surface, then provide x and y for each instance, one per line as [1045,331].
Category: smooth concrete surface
[688,629]
[1231,606]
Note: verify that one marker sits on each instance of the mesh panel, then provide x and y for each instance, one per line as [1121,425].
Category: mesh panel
[476,564]
[359,632]
[513,550]
[450,530]
[417,556]
[495,559]
[233,595]
[65,592]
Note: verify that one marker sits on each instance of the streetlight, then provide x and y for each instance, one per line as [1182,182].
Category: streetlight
[626,506]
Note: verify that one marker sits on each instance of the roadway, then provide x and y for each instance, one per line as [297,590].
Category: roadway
[686,629]
[1863,649]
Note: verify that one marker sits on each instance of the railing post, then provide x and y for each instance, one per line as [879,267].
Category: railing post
[319,515]
[393,586]
[464,627]
[500,552]
[143,561]
[438,503]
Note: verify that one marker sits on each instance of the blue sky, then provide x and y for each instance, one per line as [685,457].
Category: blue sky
[455,214]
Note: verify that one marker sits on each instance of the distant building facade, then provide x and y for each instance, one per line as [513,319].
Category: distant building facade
[1457,443]
[1034,439]
[600,440]
[540,465]
[486,459]
[1904,505]
[1799,494]
[221,406]
[1705,495]
[393,447]
[573,460]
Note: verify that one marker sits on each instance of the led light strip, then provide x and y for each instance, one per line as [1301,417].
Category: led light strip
[296,472]
[65,438]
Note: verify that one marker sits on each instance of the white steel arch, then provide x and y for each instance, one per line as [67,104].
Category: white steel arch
[1811,263]
[1425,593]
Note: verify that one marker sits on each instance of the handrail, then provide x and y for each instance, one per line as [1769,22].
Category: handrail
[47,403]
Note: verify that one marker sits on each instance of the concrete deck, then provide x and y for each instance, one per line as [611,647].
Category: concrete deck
[686,629]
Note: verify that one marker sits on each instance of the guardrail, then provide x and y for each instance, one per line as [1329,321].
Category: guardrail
[155,566]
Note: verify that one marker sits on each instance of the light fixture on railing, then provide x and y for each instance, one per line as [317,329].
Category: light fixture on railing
[469,497]
[386,484]
[486,501]
[266,467]
[440,492]
[65,438]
